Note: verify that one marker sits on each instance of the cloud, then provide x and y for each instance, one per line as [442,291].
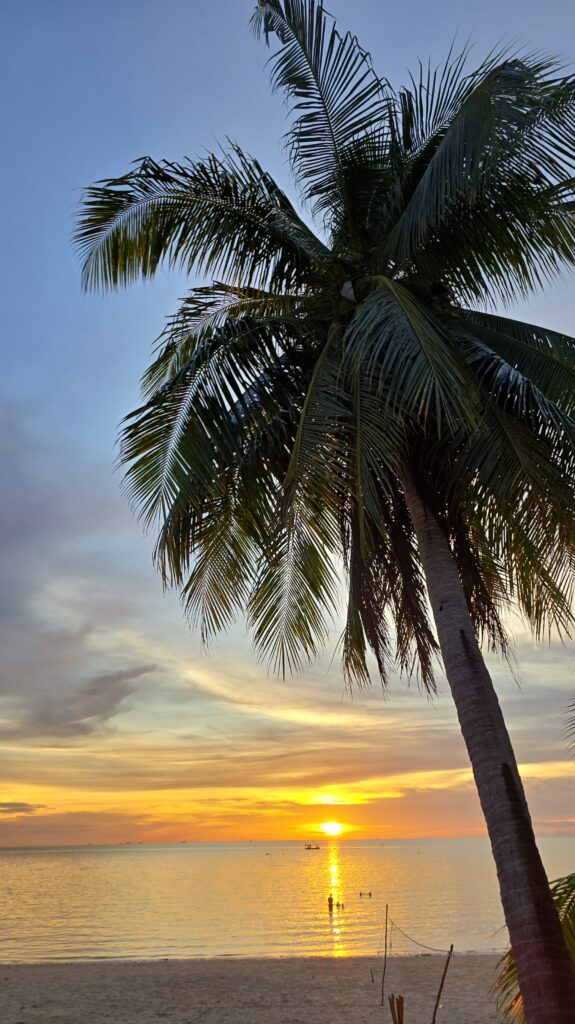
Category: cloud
[78,712]
[74,580]
[72,560]
[77,827]
[20,808]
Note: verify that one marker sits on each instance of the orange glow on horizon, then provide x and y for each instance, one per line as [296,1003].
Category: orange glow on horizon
[72,806]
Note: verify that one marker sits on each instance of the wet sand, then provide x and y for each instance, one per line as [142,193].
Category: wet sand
[306,990]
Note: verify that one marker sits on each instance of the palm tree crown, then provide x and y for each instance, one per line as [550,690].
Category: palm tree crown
[289,398]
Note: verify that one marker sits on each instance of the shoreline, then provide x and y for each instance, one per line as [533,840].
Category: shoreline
[101,961]
[246,990]
[256,957]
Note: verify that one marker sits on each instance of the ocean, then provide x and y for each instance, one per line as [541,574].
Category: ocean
[263,899]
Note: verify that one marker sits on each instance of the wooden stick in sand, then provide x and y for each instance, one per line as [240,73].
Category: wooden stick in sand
[449,955]
[396,1007]
[384,956]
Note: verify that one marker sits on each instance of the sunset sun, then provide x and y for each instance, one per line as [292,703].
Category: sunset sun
[331,828]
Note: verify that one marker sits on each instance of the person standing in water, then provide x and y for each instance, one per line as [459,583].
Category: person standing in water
[330,903]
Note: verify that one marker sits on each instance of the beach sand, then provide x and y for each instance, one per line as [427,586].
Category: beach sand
[306,990]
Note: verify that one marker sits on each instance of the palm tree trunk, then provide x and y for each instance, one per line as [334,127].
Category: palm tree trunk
[546,976]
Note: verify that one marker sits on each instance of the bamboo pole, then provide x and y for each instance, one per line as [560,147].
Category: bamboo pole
[449,955]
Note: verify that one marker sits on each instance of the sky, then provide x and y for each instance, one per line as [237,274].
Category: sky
[114,725]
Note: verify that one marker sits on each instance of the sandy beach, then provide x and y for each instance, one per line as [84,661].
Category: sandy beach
[306,990]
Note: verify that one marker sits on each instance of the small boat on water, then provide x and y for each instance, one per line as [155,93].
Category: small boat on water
[311,846]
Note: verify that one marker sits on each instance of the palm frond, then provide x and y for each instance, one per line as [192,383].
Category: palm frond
[518,395]
[546,358]
[485,582]
[204,311]
[428,104]
[570,728]
[223,494]
[366,618]
[401,344]
[387,600]
[218,584]
[520,503]
[509,240]
[223,215]
[331,85]
[371,181]
[191,426]
[482,195]
[295,595]
[467,134]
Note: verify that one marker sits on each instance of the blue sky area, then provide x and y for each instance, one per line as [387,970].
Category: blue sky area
[101,676]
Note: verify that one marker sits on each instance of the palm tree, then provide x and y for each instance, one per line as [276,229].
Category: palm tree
[340,398]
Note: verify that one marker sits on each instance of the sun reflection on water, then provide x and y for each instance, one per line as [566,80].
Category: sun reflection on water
[336,890]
